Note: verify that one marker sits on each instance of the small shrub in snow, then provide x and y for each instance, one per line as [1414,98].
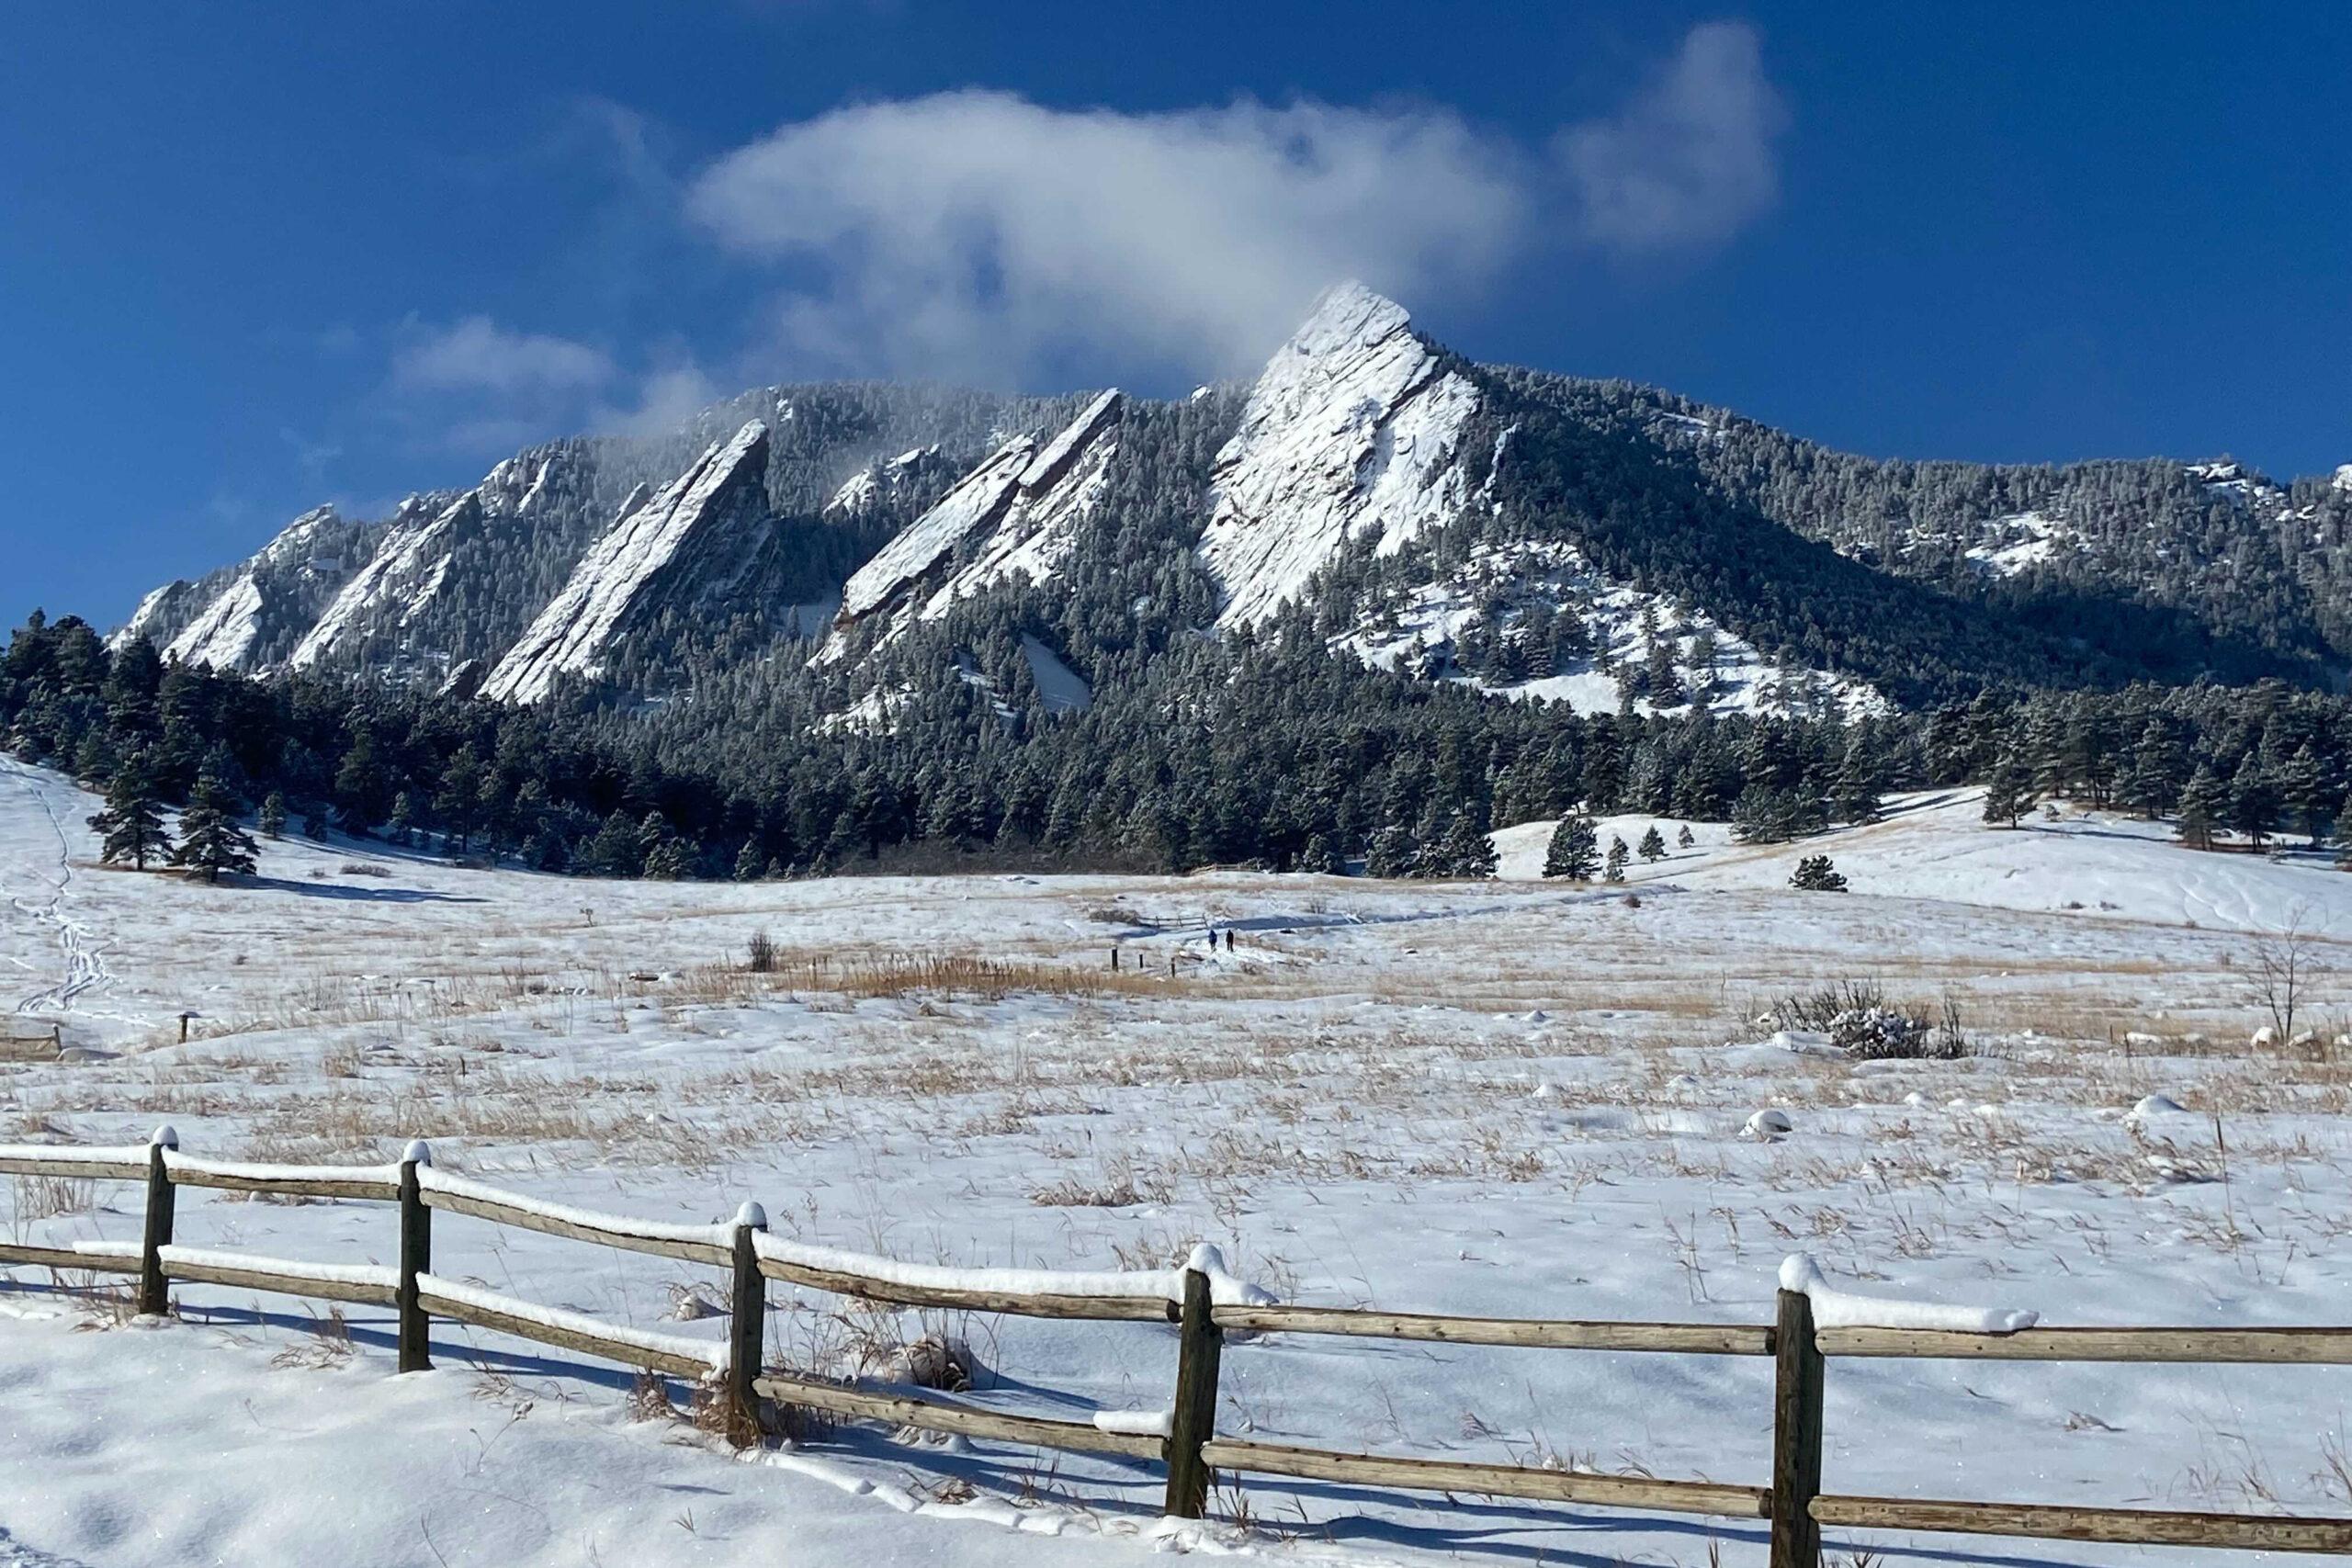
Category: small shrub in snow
[1815,874]
[1817,1009]
[760,954]
[1861,1022]
[1878,1034]
[365,868]
[648,1398]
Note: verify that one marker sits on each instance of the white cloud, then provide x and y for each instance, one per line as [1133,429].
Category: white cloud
[477,354]
[1690,159]
[478,386]
[978,235]
[961,231]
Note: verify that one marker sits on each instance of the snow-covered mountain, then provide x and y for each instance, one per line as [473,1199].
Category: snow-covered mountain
[1525,534]
[1013,515]
[1352,431]
[698,540]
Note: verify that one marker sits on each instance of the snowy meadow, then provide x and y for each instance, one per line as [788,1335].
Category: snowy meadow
[1509,1098]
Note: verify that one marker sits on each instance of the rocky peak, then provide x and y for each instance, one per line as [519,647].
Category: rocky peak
[1353,429]
[695,535]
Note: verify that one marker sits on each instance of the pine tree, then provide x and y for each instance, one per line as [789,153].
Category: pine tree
[1684,838]
[1465,851]
[2152,778]
[211,841]
[315,825]
[363,786]
[1653,845]
[403,820]
[132,826]
[1574,851]
[2204,801]
[273,815]
[2007,796]
[749,862]
[456,805]
[1391,852]
[667,860]
[2254,801]
[1855,795]
[1614,868]
[2303,787]
[1816,874]
[1319,857]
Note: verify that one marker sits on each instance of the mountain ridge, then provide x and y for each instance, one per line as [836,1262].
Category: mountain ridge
[1666,545]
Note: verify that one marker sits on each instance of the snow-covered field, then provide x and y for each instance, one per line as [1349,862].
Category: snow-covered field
[1511,1098]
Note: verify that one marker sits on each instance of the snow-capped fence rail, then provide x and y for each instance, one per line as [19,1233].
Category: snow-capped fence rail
[1813,1324]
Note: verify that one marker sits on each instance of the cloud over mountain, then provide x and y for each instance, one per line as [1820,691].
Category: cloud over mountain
[978,235]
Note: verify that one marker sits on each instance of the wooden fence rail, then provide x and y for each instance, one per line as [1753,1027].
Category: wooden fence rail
[1794,1507]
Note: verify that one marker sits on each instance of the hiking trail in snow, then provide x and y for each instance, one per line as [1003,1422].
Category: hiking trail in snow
[85,966]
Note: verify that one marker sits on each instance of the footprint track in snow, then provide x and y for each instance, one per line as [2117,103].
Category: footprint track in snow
[85,966]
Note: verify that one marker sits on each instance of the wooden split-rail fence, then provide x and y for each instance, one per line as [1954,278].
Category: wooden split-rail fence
[1793,1507]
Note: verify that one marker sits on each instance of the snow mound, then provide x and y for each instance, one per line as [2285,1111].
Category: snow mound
[1837,1309]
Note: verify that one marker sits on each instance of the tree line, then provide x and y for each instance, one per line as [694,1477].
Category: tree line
[1260,749]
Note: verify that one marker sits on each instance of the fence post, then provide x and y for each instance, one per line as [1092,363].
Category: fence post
[1796,1435]
[1193,1421]
[417,1257]
[746,1329]
[154,1296]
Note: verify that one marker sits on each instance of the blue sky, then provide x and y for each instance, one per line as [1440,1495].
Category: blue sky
[254,258]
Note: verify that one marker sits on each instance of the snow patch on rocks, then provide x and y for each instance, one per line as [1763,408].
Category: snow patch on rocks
[1353,430]
[1021,505]
[624,571]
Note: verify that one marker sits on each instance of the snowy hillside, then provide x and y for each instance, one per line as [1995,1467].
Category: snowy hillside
[1933,847]
[1504,1098]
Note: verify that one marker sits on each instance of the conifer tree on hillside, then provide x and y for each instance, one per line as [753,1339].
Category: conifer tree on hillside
[1391,852]
[363,786]
[403,821]
[211,841]
[1319,857]
[1573,852]
[2302,786]
[1653,844]
[1614,868]
[1684,838]
[2152,779]
[1466,850]
[272,820]
[2006,797]
[2254,801]
[2204,802]
[1856,794]
[1817,873]
[749,862]
[456,805]
[667,860]
[132,826]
